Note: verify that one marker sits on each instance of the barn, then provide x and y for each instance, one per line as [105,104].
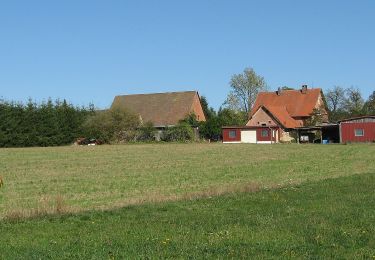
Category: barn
[162,109]
[357,129]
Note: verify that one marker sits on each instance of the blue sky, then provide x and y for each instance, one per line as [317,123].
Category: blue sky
[90,51]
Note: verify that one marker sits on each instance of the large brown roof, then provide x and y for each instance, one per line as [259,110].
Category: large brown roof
[162,109]
[296,103]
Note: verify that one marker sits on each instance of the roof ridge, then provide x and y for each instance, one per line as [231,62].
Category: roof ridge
[157,93]
[290,90]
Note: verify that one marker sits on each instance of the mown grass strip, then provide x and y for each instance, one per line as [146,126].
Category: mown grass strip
[325,219]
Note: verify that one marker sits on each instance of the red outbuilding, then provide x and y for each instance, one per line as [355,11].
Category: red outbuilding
[358,129]
[251,134]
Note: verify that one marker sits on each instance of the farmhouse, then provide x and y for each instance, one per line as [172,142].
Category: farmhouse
[357,129]
[276,114]
[162,109]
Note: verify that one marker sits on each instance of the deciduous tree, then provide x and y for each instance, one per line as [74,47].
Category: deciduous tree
[244,90]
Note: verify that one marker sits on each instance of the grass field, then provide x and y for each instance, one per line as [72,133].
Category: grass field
[318,220]
[188,201]
[75,179]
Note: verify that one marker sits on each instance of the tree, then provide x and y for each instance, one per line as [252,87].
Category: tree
[244,90]
[335,101]
[354,102]
[191,120]
[369,107]
[316,118]
[46,124]
[209,112]
[230,117]
[113,125]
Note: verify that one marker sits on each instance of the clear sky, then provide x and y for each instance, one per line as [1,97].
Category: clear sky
[90,51]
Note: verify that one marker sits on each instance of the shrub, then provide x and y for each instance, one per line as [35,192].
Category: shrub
[147,132]
[180,133]
[113,125]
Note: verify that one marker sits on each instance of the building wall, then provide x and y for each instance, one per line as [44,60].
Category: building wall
[347,132]
[197,109]
[273,135]
[226,137]
[322,107]
[261,117]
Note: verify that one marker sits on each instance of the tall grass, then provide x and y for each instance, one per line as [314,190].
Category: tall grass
[106,177]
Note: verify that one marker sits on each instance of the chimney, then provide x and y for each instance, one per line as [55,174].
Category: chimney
[304,89]
[278,92]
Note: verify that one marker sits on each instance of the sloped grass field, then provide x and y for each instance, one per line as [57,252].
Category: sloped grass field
[74,179]
[318,220]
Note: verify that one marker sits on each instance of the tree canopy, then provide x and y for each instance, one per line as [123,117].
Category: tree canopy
[244,89]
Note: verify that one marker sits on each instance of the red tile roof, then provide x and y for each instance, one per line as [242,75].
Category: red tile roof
[281,114]
[296,103]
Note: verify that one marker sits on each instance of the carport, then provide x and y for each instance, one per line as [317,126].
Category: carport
[325,133]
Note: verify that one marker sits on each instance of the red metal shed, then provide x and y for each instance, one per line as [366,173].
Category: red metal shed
[358,129]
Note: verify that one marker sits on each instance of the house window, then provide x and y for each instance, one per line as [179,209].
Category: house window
[264,133]
[359,132]
[232,134]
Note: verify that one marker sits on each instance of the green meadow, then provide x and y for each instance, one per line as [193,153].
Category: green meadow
[189,201]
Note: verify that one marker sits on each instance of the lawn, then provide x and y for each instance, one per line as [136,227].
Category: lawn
[324,219]
[76,179]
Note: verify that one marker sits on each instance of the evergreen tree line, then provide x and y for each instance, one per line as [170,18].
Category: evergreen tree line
[46,124]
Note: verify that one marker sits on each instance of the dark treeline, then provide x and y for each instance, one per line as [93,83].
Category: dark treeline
[348,102]
[46,124]
[60,123]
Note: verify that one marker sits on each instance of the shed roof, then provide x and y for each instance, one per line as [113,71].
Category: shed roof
[162,109]
[357,118]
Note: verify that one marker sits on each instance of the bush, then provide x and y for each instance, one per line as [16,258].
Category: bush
[147,132]
[113,125]
[179,133]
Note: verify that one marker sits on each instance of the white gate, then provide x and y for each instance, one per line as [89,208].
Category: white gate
[249,136]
